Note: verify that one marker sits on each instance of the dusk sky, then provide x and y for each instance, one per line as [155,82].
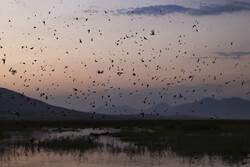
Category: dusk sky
[83,54]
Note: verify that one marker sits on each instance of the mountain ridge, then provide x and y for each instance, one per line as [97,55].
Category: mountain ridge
[16,106]
[226,108]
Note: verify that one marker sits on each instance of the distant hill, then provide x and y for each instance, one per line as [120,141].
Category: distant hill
[15,106]
[229,108]
[123,110]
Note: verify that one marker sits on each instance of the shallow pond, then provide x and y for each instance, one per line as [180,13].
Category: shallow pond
[93,148]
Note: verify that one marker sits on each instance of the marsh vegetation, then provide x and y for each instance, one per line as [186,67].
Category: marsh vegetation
[221,142]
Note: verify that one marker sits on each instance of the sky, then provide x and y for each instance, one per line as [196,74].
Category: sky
[83,54]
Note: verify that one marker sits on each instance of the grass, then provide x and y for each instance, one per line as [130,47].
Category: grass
[194,125]
[69,144]
[230,142]
[227,139]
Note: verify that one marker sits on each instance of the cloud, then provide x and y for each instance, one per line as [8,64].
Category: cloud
[201,11]
[90,11]
[234,55]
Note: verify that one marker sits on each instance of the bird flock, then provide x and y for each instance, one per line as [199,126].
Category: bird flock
[96,64]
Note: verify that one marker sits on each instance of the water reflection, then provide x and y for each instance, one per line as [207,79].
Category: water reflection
[111,147]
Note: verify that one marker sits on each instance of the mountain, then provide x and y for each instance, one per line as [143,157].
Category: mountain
[123,110]
[228,108]
[161,109]
[16,106]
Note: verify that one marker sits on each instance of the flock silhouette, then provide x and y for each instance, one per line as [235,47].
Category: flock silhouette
[118,66]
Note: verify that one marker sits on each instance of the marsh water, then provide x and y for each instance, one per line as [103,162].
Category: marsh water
[94,147]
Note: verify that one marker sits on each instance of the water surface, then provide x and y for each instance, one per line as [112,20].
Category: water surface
[102,147]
